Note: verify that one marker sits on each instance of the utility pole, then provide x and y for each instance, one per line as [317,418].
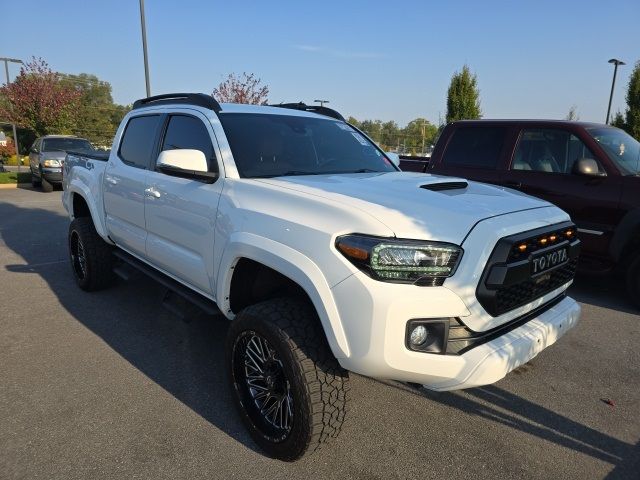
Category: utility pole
[616,62]
[13,125]
[322,102]
[424,125]
[144,48]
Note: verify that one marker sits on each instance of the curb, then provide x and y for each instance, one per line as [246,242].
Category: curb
[14,185]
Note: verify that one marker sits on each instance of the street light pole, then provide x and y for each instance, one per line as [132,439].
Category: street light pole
[13,125]
[616,62]
[144,48]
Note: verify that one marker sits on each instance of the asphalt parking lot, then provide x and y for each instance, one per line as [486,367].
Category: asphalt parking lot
[111,385]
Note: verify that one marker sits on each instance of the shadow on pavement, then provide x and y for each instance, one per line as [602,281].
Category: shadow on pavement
[186,359]
[497,405]
[603,291]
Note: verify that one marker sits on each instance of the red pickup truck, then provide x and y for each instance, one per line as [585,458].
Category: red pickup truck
[589,170]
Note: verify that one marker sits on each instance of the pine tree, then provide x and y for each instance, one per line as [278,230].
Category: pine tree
[463,97]
[632,122]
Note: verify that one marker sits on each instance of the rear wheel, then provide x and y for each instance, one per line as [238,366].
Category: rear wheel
[633,279]
[289,389]
[91,257]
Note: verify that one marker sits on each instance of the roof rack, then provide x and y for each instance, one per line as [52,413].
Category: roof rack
[199,99]
[328,112]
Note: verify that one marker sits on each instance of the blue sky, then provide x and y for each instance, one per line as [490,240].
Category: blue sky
[371,59]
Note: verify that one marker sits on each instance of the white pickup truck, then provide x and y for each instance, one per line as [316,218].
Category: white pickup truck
[325,257]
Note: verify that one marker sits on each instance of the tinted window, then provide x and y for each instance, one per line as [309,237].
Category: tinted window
[66,145]
[475,147]
[138,140]
[266,145]
[620,147]
[549,150]
[189,132]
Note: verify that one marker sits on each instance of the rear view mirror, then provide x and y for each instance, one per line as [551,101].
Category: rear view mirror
[185,163]
[588,167]
[394,157]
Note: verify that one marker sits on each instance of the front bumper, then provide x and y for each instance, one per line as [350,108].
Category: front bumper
[52,175]
[375,314]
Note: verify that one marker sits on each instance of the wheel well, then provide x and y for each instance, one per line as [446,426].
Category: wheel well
[633,245]
[80,207]
[253,282]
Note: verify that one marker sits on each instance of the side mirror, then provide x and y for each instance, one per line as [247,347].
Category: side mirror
[394,157]
[186,163]
[587,167]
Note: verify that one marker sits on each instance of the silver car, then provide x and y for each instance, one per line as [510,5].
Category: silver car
[47,155]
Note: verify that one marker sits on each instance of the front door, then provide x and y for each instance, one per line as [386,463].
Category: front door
[181,212]
[542,166]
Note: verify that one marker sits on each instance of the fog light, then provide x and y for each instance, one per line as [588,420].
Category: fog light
[418,336]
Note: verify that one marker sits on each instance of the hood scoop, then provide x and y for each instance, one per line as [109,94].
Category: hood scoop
[440,186]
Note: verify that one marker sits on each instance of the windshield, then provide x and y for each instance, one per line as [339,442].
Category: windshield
[621,148]
[266,145]
[66,144]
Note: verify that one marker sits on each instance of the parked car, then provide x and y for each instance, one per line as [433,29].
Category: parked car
[589,170]
[325,257]
[47,155]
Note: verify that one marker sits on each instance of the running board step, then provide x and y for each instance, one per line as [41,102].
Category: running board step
[203,303]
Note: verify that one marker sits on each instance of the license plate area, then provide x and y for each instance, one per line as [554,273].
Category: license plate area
[549,260]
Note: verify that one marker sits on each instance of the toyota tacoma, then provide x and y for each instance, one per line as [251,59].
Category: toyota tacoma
[324,256]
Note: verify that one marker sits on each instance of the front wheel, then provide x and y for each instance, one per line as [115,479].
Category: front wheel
[287,385]
[633,279]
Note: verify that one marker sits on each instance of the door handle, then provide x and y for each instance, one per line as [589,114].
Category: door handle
[111,180]
[151,192]
[514,184]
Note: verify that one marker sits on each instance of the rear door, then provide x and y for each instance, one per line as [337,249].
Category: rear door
[125,180]
[474,152]
[181,212]
[542,166]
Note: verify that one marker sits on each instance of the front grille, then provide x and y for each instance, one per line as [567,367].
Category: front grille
[508,298]
[507,281]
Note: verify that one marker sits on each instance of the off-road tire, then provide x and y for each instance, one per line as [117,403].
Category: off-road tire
[98,256]
[319,386]
[633,280]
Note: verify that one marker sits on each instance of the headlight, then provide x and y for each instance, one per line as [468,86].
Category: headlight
[404,261]
[52,163]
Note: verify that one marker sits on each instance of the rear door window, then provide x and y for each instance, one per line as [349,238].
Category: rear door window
[139,140]
[189,132]
[477,147]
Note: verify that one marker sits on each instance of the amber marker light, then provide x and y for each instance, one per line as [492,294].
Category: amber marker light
[553,238]
[569,233]
[522,248]
[353,252]
[543,241]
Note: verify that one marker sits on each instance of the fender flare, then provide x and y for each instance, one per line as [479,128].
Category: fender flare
[295,266]
[628,226]
[77,188]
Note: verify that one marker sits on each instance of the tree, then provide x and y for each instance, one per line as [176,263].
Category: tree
[242,89]
[618,121]
[463,96]
[632,114]
[573,114]
[418,132]
[97,117]
[38,100]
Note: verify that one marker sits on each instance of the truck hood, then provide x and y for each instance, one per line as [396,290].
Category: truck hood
[403,202]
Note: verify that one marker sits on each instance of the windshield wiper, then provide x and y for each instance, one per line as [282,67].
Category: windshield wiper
[289,173]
